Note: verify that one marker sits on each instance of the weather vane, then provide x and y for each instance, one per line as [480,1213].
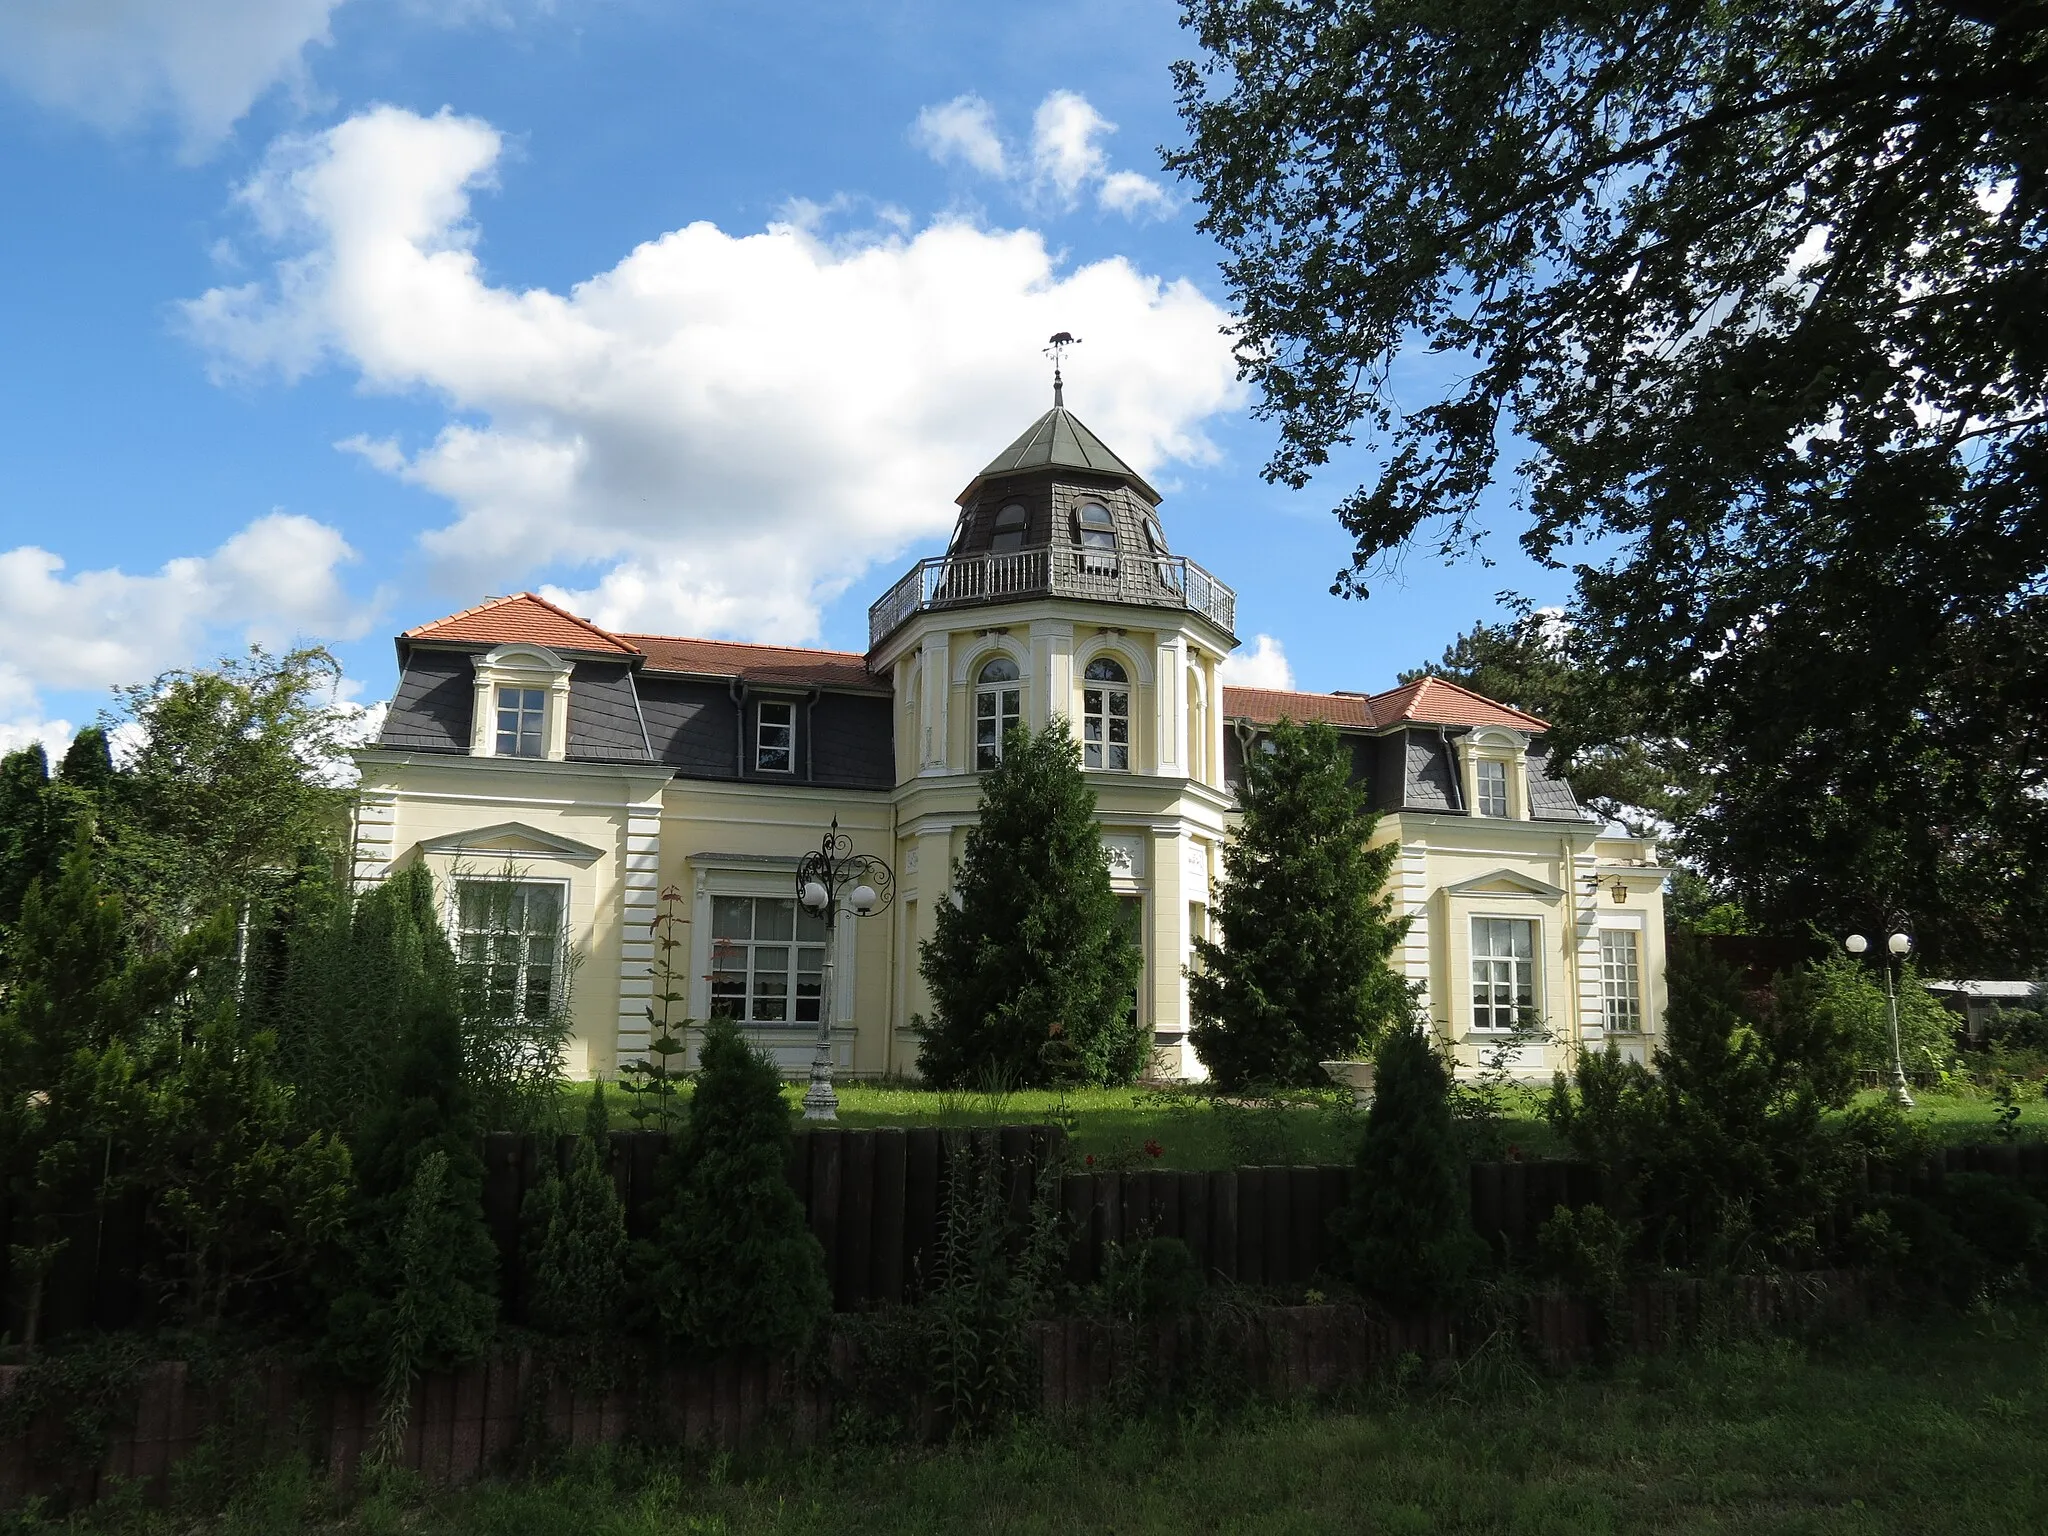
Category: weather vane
[1055,348]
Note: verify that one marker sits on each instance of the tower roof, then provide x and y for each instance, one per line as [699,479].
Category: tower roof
[1059,440]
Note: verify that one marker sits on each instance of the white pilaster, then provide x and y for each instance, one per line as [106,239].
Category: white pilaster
[376,827]
[1052,671]
[938,689]
[639,905]
[1170,690]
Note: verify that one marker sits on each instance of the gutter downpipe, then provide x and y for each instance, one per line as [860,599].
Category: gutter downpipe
[1443,734]
[810,703]
[738,689]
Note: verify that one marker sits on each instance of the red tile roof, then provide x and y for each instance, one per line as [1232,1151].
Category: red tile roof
[540,622]
[522,616]
[757,663]
[1426,701]
[1435,701]
[1263,706]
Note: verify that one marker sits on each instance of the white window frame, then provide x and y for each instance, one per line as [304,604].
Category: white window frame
[522,666]
[735,957]
[1097,540]
[1000,701]
[1098,746]
[529,713]
[1521,974]
[466,938]
[1491,774]
[762,728]
[1621,981]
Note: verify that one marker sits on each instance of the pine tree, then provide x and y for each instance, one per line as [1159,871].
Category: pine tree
[1408,1228]
[80,1017]
[576,1238]
[734,1265]
[1307,926]
[26,849]
[1032,947]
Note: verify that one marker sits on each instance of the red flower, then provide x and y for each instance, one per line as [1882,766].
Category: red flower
[1153,1149]
[1090,1161]
[1514,1153]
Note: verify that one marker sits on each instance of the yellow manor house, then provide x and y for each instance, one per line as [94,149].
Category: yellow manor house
[599,770]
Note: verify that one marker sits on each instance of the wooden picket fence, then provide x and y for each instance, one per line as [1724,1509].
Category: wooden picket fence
[876,1198]
[465,1423]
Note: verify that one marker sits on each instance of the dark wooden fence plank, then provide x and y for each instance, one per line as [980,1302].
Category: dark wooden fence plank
[1251,1226]
[1194,1216]
[920,1206]
[856,1221]
[886,1280]
[648,1147]
[1223,1242]
[1334,1180]
[827,1156]
[503,1165]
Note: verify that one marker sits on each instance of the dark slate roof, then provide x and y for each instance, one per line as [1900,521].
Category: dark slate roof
[1549,799]
[1058,440]
[1428,783]
[604,716]
[430,710]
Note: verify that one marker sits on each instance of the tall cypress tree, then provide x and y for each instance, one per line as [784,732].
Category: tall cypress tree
[1302,974]
[1032,946]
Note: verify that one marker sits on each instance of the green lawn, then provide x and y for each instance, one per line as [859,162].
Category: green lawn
[1114,1124]
[1937,1429]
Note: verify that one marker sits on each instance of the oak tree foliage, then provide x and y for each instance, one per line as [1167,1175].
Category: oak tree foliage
[1747,300]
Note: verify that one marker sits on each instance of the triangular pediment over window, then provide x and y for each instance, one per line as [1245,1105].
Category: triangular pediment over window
[1506,882]
[512,840]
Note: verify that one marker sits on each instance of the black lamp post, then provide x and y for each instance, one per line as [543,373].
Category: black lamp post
[1897,947]
[833,879]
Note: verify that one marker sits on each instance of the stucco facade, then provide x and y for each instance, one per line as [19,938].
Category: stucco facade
[643,774]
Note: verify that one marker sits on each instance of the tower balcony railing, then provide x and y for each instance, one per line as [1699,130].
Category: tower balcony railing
[960,581]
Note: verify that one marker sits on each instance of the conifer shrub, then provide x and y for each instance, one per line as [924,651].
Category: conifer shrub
[1724,1149]
[1407,1230]
[1033,971]
[1302,972]
[423,1292]
[576,1239]
[733,1266]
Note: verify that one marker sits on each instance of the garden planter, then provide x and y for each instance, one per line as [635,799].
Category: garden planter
[1355,1075]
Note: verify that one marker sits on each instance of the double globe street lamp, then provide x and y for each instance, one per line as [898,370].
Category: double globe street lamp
[1898,945]
[832,880]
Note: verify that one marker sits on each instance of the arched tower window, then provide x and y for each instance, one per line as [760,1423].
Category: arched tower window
[998,709]
[1009,534]
[1097,533]
[1106,716]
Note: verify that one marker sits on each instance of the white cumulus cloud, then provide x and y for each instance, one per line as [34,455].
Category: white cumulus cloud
[1263,666]
[720,432]
[1064,163]
[116,63]
[274,582]
[963,129]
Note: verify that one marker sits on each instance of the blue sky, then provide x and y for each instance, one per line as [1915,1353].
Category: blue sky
[322,318]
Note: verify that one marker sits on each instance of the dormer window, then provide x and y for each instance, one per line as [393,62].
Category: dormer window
[522,714]
[1097,533]
[1490,788]
[520,706]
[1009,534]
